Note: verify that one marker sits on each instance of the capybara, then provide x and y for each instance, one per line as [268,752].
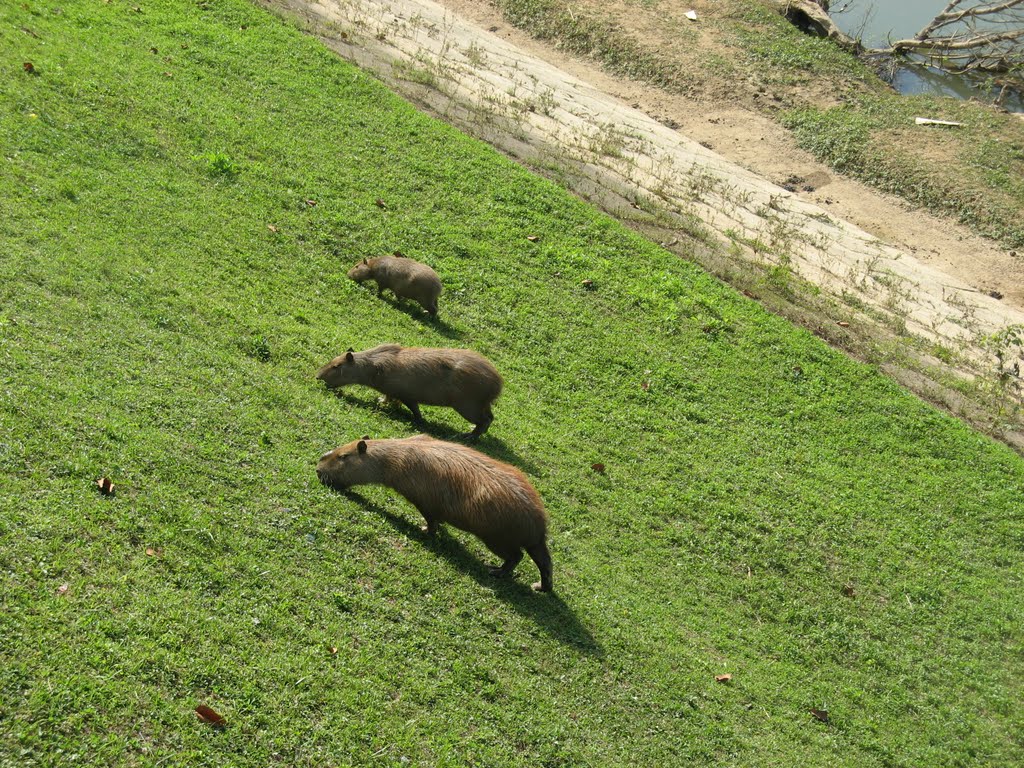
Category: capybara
[452,483]
[406,278]
[457,378]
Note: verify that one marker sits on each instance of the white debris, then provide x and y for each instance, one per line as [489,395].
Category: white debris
[929,121]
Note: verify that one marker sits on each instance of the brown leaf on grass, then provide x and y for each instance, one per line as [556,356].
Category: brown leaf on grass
[723,678]
[63,588]
[311,203]
[645,386]
[271,227]
[380,204]
[333,650]
[168,74]
[29,67]
[153,50]
[106,486]
[533,238]
[598,467]
[821,714]
[848,590]
[398,255]
[29,32]
[588,284]
[209,715]
[843,324]
[154,551]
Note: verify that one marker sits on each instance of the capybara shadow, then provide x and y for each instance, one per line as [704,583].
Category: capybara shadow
[435,322]
[551,613]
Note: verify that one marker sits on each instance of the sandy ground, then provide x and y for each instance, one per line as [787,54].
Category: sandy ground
[718,174]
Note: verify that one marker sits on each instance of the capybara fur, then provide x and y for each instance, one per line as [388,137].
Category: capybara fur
[456,378]
[452,483]
[406,278]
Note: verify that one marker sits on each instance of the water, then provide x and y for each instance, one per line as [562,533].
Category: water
[877,22]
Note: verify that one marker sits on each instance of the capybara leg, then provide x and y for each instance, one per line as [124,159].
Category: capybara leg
[511,561]
[431,527]
[482,425]
[542,558]
[415,408]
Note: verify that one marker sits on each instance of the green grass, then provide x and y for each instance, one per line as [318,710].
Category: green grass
[155,330]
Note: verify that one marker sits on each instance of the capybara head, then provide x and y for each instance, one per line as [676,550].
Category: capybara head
[340,371]
[360,271]
[346,466]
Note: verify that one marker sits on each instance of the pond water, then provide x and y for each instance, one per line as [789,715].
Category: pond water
[876,22]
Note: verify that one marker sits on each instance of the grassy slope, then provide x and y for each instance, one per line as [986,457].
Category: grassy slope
[153,329]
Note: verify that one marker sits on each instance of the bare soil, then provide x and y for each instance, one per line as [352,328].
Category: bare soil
[722,114]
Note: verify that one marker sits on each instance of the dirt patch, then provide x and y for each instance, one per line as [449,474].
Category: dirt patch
[721,184]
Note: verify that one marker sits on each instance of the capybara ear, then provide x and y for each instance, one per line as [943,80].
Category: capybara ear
[349,357]
[350,350]
[361,446]
[365,261]
[365,437]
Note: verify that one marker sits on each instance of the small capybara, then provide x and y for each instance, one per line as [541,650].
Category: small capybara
[452,483]
[406,278]
[456,378]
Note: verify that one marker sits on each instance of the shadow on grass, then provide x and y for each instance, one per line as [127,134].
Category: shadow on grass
[416,312]
[547,610]
[493,446]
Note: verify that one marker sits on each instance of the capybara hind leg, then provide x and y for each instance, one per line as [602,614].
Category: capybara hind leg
[431,527]
[542,558]
[415,408]
[511,561]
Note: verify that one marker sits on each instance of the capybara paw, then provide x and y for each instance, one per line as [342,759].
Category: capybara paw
[539,587]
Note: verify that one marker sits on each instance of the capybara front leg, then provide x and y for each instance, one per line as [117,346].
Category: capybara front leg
[542,558]
[431,527]
[511,561]
[481,426]
[415,408]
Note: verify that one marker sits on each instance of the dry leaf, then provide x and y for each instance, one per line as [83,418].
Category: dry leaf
[598,467]
[588,284]
[723,678]
[63,589]
[106,487]
[154,551]
[645,386]
[333,650]
[843,324]
[398,255]
[211,716]
[271,227]
[168,74]
[29,67]
[533,238]
[29,32]
[849,591]
[821,714]
[380,204]
[153,50]
[311,203]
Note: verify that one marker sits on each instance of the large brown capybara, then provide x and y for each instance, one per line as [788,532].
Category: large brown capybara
[452,483]
[456,378]
[406,278]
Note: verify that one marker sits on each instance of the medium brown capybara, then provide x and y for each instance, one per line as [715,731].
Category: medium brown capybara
[406,278]
[456,378]
[452,483]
